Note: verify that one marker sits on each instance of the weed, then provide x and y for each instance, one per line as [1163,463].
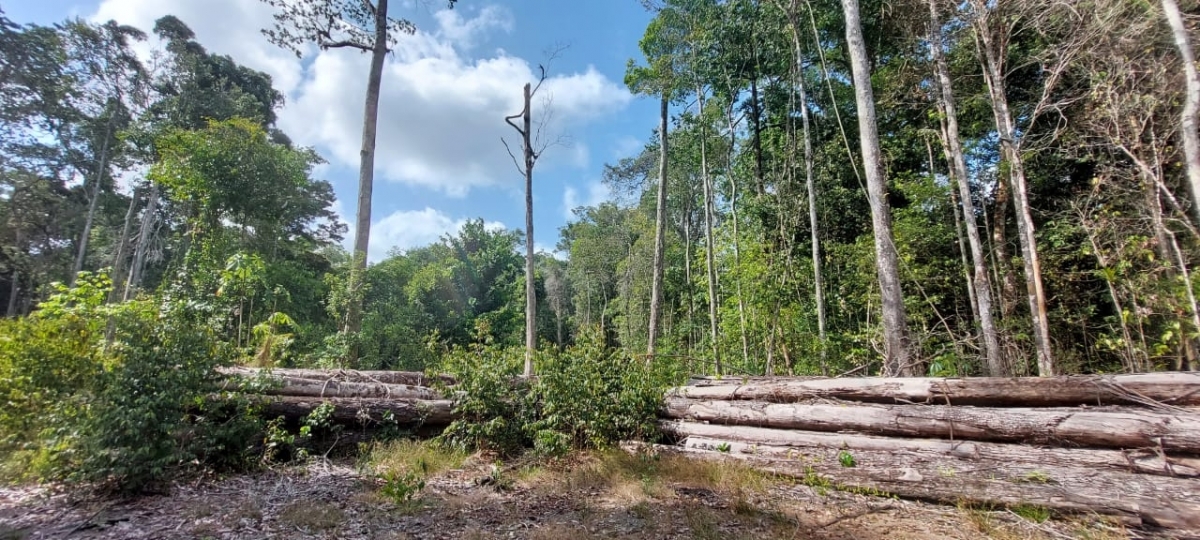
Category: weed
[723,448]
[846,459]
[401,487]
[1031,512]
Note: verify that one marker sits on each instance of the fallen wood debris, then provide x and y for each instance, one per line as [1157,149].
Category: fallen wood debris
[412,378]
[364,411]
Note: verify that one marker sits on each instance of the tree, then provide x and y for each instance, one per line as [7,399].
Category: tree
[356,24]
[981,284]
[532,146]
[895,333]
[1191,101]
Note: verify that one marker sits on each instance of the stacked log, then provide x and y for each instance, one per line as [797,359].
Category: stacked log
[364,398]
[1126,446]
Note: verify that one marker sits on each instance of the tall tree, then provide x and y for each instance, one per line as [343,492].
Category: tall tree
[994,24]
[982,285]
[356,24]
[1191,101]
[895,332]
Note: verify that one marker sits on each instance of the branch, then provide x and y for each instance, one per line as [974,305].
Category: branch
[509,120]
[345,43]
[513,156]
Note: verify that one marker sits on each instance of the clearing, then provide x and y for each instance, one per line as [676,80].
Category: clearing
[588,495]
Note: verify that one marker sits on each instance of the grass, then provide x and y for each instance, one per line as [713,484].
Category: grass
[424,458]
[312,515]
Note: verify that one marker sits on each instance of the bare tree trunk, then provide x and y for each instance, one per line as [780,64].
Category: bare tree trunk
[118,263]
[143,244]
[897,357]
[982,284]
[530,288]
[994,76]
[13,290]
[660,225]
[710,244]
[1191,103]
[1008,279]
[98,178]
[809,182]
[737,242]
[366,173]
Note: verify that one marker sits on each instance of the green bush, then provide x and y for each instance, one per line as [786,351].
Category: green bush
[587,396]
[117,395]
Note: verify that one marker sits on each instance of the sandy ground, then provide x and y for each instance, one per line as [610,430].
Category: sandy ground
[580,500]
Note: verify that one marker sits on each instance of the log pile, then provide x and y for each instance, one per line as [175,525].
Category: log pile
[1126,446]
[358,397]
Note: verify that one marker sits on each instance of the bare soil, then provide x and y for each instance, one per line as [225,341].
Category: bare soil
[587,496]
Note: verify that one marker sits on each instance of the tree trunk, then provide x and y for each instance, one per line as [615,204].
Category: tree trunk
[359,411]
[660,225]
[145,232]
[1167,504]
[1171,389]
[954,153]
[411,378]
[118,263]
[811,187]
[98,178]
[366,174]
[709,242]
[737,239]
[530,287]
[994,77]
[1191,102]
[1118,428]
[1008,279]
[897,358]
[298,387]
[14,289]
[896,451]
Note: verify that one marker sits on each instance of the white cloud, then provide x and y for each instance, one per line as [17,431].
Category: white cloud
[596,193]
[627,146]
[441,113]
[410,229]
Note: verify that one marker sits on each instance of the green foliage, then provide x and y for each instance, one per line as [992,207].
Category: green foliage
[121,397]
[401,487]
[587,396]
[846,459]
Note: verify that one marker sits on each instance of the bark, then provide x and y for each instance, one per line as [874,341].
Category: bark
[869,450]
[356,411]
[118,263]
[530,290]
[412,378]
[366,170]
[1115,428]
[1008,279]
[13,290]
[993,71]
[660,225]
[709,242]
[1158,501]
[97,179]
[895,334]
[145,232]
[297,387]
[954,153]
[810,186]
[1171,389]
[1191,102]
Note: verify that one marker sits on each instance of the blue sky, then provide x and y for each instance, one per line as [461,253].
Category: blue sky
[446,90]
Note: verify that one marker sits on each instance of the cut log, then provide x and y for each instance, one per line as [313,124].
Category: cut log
[293,386]
[1102,428]
[981,453]
[1152,389]
[355,411]
[414,378]
[1163,502]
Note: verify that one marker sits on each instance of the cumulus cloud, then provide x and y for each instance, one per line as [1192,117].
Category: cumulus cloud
[593,194]
[409,229]
[441,108]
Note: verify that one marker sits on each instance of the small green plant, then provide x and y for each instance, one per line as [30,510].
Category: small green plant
[401,487]
[1031,512]
[846,459]
[1036,477]
[723,448]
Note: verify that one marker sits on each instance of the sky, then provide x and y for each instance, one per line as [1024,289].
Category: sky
[446,90]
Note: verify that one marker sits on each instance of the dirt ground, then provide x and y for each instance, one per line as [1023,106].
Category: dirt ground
[587,496]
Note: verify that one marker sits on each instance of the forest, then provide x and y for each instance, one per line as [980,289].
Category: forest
[903,188]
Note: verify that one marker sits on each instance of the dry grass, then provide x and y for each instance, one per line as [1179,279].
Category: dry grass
[312,515]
